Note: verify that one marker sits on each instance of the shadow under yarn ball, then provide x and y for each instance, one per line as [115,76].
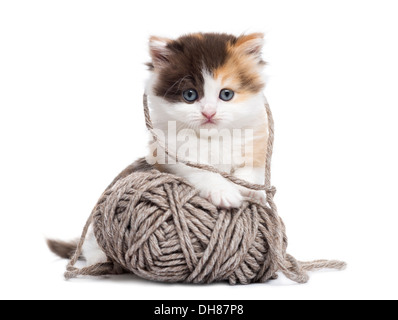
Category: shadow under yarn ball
[155,225]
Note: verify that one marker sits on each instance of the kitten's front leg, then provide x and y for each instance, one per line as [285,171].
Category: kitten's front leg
[253,175]
[212,186]
[219,191]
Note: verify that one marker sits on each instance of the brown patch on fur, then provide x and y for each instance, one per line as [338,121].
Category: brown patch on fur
[62,249]
[150,66]
[186,59]
[180,63]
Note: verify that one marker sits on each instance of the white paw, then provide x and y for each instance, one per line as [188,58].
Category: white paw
[224,197]
[259,196]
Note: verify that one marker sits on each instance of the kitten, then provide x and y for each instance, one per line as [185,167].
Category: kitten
[211,81]
[207,84]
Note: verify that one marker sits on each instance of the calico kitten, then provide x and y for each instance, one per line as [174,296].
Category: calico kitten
[207,84]
[211,81]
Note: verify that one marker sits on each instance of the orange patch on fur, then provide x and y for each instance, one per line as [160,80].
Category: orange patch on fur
[258,154]
[199,36]
[250,37]
[260,147]
[242,73]
[241,70]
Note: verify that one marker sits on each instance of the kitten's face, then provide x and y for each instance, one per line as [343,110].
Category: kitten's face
[204,81]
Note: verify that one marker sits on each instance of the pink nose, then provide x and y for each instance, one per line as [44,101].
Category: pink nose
[209,115]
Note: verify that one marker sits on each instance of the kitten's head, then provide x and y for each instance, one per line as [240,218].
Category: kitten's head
[204,81]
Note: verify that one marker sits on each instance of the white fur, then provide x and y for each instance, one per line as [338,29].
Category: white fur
[92,253]
[230,115]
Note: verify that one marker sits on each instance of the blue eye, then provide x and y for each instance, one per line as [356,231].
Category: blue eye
[226,95]
[190,95]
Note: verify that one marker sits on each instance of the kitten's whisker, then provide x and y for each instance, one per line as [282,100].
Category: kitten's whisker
[175,83]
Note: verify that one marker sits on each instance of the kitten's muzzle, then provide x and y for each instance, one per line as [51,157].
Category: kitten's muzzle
[209,115]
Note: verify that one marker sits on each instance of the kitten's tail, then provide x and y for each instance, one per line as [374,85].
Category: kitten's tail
[62,249]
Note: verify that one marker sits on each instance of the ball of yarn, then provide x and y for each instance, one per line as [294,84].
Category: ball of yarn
[156,226]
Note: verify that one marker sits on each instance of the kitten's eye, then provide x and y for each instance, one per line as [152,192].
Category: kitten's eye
[226,95]
[190,95]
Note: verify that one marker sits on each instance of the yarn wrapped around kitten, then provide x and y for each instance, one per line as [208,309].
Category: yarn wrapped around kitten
[156,226]
[162,230]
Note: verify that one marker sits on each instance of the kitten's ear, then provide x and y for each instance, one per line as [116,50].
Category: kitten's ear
[252,44]
[159,51]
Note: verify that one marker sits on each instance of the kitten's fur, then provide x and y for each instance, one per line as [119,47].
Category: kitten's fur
[208,63]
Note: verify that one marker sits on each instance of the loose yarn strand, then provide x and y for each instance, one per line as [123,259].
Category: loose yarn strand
[191,250]
[292,268]
[230,177]
[94,270]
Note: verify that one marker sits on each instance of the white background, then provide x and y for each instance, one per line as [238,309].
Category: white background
[71,80]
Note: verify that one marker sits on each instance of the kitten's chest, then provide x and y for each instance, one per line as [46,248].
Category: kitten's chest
[224,151]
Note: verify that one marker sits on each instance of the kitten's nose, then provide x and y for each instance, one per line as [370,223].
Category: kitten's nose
[209,114]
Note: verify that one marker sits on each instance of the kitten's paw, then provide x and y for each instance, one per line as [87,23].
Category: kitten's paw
[259,196]
[224,198]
